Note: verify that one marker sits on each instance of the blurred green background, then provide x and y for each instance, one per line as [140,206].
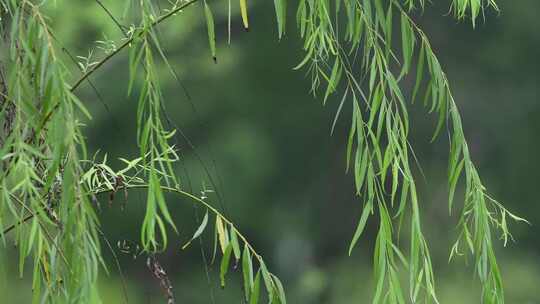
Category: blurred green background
[279,172]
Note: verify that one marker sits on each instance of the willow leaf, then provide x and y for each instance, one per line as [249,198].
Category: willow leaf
[281,16]
[333,81]
[160,199]
[247,272]
[244,13]
[224,267]
[453,182]
[199,230]
[280,289]
[256,290]
[211,29]
[407,43]
[419,72]
[222,233]
[235,244]
[268,283]
[361,224]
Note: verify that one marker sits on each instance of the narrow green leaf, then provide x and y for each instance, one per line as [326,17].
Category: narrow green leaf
[407,43]
[244,13]
[235,244]
[360,168]
[475,9]
[333,82]
[453,182]
[199,230]
[247,271]
[281,16]
[256,290]
[442,113]
[211,29]
[224,267]
[280,289]
[352,132]
[338,112]
[268,283]
[419,72]
[160,199]
[361,224]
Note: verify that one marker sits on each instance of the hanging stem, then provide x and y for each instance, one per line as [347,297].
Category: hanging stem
[200,202]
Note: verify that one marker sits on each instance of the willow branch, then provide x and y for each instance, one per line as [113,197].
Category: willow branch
[128,42]
[177,191]
[111,55]
[200,202]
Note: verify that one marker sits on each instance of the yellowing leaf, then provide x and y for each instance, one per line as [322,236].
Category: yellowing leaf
[221,230]
[243,11]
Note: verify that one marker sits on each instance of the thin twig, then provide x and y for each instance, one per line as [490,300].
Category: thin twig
[117,262]
[118,24]
[33,215]
[111,55]
[201,202]
[127,43]
[26,219]
[197,200]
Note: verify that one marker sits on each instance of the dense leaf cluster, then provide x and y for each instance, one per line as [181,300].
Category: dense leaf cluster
[49,186]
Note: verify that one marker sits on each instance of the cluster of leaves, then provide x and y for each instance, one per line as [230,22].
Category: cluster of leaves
[41,150]
[100,178]
[349,45]
[228,239]
[152,137]
[49,190]
[361,59]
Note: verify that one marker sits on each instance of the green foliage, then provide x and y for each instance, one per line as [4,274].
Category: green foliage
[100,179]
[378,138]
[211,29]
[49,186]
[152,137]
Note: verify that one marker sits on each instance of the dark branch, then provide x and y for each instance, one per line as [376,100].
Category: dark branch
[26,219]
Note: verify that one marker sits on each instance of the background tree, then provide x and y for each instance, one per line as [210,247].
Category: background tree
[379,149]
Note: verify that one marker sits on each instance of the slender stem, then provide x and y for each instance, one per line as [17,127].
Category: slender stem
[201,202]
[117,262]
[36,13]
[108,12]
[99,64]
[128,42]
[24,220]
[112,54]
[177,191]
[27,218]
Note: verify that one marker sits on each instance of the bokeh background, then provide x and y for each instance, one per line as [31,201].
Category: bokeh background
[280,174]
